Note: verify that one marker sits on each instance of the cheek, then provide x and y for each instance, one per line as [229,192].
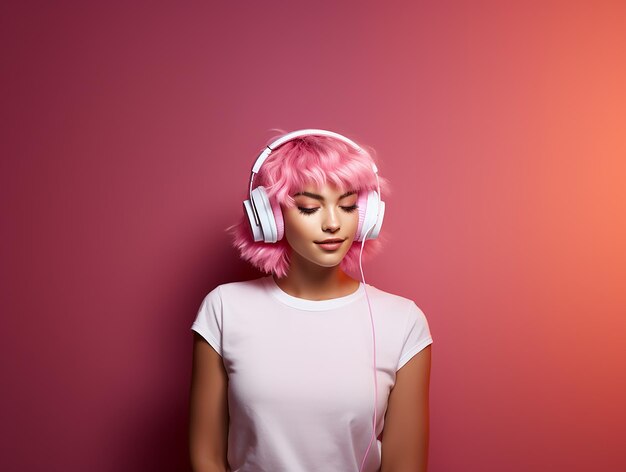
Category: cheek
[354,221]
[297,225]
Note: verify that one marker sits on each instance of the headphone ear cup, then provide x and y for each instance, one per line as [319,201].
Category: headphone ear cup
[362,204]
[370,212]
[266,214]
[279,221]
[257,232]
[379,221]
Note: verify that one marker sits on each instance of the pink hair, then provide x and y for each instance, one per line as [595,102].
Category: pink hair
[308,160]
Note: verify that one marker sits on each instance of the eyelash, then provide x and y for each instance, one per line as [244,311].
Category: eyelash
[310,211]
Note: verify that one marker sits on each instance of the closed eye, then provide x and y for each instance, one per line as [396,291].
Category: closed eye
[310,211]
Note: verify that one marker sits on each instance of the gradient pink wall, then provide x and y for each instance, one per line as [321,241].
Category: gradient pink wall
[128,135]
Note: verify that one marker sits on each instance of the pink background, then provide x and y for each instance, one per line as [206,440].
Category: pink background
[128,135]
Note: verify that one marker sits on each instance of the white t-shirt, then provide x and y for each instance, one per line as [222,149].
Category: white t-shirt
[301,372]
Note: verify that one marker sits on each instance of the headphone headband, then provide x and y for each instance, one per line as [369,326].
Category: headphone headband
[297,134]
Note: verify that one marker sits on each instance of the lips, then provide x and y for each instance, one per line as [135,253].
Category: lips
[330,244]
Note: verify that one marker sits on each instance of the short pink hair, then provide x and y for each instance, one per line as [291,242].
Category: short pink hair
[308,160]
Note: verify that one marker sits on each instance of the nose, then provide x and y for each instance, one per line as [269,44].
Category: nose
[331,221]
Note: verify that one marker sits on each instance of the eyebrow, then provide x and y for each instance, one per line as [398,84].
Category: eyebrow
[319,197]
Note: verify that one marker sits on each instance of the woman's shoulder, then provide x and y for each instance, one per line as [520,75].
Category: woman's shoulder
[389,298]
[409,313]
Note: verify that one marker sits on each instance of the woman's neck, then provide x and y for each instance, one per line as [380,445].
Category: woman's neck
[314,282]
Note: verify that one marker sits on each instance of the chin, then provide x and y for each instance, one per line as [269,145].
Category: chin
[328,262]
[318,257]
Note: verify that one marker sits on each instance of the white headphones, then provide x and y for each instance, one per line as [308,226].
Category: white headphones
[266,220]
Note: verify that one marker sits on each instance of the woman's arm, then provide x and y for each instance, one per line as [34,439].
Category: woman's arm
[208,410]
[406,431]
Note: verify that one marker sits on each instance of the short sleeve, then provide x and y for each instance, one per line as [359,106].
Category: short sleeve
[417,334]
[208,322]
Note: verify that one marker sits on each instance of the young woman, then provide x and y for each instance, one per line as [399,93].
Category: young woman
[307,368]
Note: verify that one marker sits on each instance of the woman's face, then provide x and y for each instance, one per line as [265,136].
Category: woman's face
[320,214]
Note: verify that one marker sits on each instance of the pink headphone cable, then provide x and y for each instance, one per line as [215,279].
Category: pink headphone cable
[375,380]
[373,337]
